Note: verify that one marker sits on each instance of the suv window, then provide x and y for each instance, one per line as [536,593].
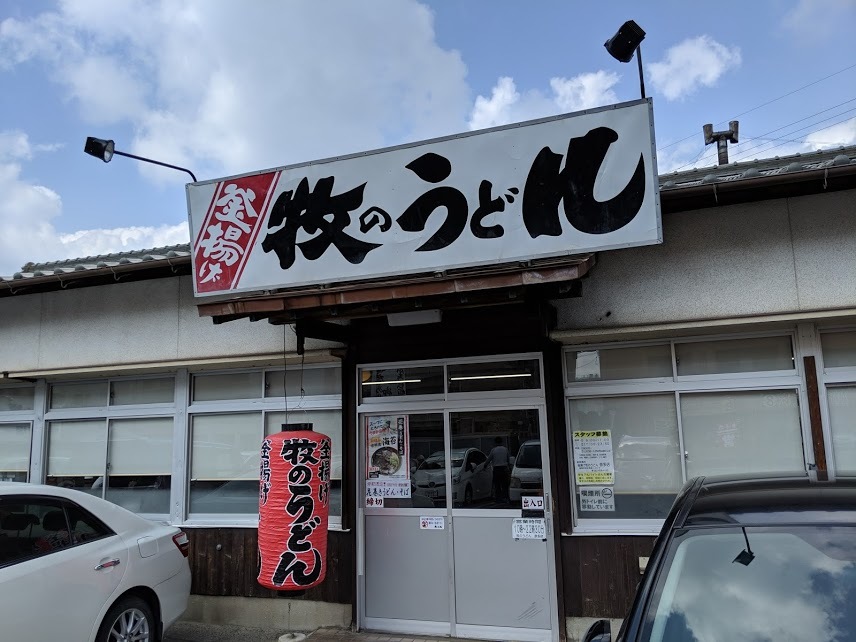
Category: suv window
[478,457]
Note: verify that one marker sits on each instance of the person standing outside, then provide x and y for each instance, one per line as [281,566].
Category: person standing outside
[500,458]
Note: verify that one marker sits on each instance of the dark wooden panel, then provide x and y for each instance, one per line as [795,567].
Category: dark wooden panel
[815,418]
[232,570]
[601,574]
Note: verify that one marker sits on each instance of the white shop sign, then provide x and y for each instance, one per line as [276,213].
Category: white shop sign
[529,528]
[553,187]
[597,498]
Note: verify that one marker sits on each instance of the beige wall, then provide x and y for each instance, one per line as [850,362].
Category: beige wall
[140,322]
[782,256]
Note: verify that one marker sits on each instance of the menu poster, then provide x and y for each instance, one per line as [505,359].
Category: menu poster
[593,462]
[387,455]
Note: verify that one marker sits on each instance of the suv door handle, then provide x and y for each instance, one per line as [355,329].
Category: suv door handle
[108,564]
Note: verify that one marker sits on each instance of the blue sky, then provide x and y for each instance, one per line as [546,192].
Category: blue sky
[230,87]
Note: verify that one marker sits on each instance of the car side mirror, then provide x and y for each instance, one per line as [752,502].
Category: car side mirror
[600,631]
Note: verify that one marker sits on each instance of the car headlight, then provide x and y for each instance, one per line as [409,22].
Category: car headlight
[515,482]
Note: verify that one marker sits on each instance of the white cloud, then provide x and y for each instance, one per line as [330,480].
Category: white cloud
[228,87]
[28,212]
[818,20]
[507,105]
[691,64]
[834,136]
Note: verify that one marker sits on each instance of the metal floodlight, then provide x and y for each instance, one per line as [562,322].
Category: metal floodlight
[628,38]
[622,45]
[100,148]
[106,149]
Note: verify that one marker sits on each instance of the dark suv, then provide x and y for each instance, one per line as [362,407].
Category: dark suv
[749,559]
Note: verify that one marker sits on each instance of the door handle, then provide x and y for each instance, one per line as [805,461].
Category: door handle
[108,564]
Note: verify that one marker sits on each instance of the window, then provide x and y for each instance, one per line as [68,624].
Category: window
[14,451]
[223,387]
[16,398]
[93,445]
[31,528]
[311,381]
[842,424]
[495,375]
[839,349]
[640,362]
[401,382]
[85,527]
[640,426]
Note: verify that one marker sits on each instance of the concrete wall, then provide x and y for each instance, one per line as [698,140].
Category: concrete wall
[125,323]
[787,255]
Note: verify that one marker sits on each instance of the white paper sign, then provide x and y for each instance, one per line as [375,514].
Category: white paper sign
[529,528]
[597,498]
[432,523]
[388,488]
[373,501]
[558,186]
[532,503]
[593,462]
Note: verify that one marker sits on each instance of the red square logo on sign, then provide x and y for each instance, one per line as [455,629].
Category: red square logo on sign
[234,219]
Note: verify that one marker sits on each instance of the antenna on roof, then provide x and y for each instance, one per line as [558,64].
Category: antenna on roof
[721,139]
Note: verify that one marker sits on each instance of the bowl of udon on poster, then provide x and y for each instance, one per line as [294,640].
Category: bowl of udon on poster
[386,447]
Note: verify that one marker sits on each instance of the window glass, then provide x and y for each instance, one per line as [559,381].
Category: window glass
[224,463]
[422,434]
[790,584]
[842,422]
[401,382]
[313,381]
[641,362]
[327,422]
[486,468]
[31,529]
[85,527]
[77,454]
[140,464]
[495,375]
[14,451]
[221,387]
[78,395]
[142,391]
[635,436]
[734,355]
[17,398]
[742,432]
[839,349]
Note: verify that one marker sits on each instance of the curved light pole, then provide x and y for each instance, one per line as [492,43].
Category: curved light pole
[106,149]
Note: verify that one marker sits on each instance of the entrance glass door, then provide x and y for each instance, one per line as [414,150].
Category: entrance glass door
[440,557]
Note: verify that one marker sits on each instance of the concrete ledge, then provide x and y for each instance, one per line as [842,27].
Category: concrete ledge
[576,627]
[279,613]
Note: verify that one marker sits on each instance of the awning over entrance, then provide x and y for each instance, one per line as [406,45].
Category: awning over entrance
[545,279]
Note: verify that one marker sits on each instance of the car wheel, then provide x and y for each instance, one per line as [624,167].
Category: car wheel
[468,496]
[129,620]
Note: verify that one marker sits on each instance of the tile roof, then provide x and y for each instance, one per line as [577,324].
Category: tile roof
[121,261]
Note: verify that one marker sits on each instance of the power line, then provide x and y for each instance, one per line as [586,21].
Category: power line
[743,152]
[769,102]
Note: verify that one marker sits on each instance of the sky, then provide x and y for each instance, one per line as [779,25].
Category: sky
[225,87]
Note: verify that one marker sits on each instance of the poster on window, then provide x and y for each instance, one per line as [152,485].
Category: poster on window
[593,462]
[597,498]
[387,456]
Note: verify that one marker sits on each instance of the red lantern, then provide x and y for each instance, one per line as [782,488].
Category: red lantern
[294,496]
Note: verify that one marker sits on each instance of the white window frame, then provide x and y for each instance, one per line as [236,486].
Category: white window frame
[678,385]
[833,377]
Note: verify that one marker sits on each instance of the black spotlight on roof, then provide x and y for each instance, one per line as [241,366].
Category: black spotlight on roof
[627,40]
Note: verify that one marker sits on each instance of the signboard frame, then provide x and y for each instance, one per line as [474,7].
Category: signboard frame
[252,239]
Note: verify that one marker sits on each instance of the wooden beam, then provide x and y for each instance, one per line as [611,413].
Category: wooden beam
[815,418]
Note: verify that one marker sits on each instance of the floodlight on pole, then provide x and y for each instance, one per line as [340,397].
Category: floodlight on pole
[627,40]
[106,149]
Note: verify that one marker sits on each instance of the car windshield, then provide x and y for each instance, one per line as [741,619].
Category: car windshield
[529,456]
[782,584]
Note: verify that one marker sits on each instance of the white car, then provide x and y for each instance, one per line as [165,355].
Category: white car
[527,477]
[76,567]
[472,476]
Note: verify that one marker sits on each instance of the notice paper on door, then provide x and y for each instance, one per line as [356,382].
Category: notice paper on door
[600,498]
[529,528]
[593,462]
[432,523]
